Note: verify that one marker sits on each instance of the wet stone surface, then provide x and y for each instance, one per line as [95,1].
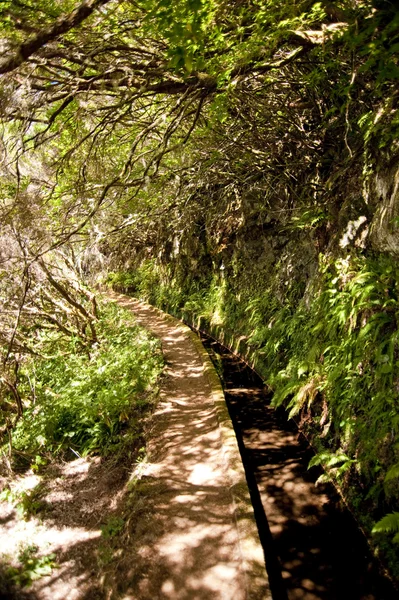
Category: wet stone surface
[313,547]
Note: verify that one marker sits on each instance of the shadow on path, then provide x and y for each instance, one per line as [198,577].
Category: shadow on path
[314,549]
[190,549]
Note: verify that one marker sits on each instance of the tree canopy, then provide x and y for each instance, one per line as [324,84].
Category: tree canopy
[104,95]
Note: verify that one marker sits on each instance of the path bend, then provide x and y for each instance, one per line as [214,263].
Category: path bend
[202,542]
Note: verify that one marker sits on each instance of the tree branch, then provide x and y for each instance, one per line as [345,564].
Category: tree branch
[62,25]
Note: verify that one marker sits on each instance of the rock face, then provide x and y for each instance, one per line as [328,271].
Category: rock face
[280,250]
[384,198]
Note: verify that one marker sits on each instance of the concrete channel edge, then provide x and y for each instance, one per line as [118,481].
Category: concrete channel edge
[253,559]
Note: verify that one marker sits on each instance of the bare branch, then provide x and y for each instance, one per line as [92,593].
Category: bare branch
[61,26]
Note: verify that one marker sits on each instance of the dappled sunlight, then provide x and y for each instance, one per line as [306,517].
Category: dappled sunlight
[189,547]
[303,524]
[66,524]
[178,538]
[183,373]
[202,473]
[171,522]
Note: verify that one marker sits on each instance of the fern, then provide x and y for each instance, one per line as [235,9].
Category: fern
[336,465]
[388,524]
[328,459]
[392,473]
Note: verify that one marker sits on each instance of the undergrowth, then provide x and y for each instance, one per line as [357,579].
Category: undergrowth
[331,355]
[87,402]
[30,566]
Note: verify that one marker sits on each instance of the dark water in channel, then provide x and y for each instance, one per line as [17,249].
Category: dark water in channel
[313,547]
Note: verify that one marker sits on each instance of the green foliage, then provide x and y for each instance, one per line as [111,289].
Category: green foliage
[334,464]
[344,347]
[17,18]
[152,284]
[259,115]
[27,502]
[389,524]
[334,356]
[91,402]
[105,556]
[111,546]
[309,219]
[123,281]
[184,25]
[212,36]
[31,567]
[112,527]
[393,473]
[378,42]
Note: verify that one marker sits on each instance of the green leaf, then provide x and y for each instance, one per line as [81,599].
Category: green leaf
[393,473]
[389,523]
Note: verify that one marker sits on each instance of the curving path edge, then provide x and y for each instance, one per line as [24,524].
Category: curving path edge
[203,542]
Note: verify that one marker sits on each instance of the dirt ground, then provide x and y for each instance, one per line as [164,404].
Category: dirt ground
[159,528]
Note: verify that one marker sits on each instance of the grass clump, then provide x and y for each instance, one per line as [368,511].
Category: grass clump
[27,502]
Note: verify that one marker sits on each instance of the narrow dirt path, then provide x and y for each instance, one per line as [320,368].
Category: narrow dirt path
[194,545]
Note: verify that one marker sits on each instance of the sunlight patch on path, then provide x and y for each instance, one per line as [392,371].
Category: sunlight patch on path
[195,551]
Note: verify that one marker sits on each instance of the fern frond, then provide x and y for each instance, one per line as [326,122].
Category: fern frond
[284,392]
[389,523]
[328,459]
[336,459]
[319,459]
[392,473]
[324,478]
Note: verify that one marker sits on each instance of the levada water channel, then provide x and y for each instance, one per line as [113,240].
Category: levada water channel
[313,548]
